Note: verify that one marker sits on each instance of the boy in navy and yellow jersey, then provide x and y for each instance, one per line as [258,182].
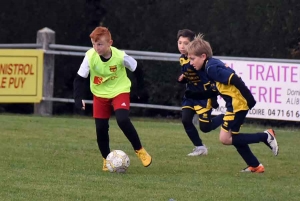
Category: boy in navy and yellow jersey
[238,100]
[110,87]
[195,81]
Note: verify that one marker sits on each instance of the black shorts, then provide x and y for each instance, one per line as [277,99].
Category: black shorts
[234,121]
[199,107]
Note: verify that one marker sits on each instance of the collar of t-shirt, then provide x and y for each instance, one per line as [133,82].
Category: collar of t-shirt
[104,59]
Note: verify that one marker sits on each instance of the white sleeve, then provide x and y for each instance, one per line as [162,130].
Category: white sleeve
[84,69]
[130,63]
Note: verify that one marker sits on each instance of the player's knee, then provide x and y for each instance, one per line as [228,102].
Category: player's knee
[186,121]
[101,125]
[122,117]
[225,140]
[123,120]
[205,127]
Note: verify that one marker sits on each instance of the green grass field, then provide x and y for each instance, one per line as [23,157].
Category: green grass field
[57,158]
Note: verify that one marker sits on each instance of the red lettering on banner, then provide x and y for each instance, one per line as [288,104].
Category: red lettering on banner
[16,82]
[3,82]
[17,69]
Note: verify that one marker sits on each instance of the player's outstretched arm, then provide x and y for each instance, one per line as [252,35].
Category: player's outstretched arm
[78,85]
[142,93]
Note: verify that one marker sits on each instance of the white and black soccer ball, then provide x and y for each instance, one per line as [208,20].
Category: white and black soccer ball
[117,161]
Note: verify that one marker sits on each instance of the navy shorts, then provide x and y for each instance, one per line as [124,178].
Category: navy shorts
[234,121]
[198,105]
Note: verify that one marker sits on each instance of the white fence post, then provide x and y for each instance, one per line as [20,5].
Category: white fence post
[45,37]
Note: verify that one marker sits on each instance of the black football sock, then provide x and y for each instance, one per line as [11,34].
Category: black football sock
[245,138]
[102,128]
[246,153]
[190,129]
[193,134]
[128,129]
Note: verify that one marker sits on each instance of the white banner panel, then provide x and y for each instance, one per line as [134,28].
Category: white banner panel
[275,87]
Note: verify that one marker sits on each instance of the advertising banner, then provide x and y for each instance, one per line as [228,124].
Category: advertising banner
[275,86]
[21,76]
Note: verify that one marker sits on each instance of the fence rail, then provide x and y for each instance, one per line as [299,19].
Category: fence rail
[71,50]
[141,105]
[46,39]
[141,55]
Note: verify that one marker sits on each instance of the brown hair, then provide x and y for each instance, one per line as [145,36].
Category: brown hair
[186,33]
[99,32]
[199,46]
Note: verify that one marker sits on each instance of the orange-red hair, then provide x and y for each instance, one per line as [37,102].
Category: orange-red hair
[99,32]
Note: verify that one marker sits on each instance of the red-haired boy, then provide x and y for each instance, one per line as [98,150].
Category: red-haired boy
[111,88]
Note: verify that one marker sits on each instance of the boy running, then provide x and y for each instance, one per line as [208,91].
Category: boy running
[110,87]
[238,100]
[195,81]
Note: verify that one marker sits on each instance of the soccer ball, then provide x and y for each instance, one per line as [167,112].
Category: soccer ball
[117,161]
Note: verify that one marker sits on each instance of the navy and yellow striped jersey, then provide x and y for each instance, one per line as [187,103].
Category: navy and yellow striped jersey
[196,80]
[219,73]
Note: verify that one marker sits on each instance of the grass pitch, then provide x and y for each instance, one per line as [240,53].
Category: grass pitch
[57,158]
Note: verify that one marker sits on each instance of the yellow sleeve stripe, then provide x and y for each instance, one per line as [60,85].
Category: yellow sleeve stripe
[230,78]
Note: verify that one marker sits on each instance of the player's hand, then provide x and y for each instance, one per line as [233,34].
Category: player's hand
[83,105]
[181,79]
[79,104]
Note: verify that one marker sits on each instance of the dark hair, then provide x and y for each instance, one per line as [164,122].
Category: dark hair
[186,33]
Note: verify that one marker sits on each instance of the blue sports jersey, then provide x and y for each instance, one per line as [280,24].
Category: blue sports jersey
[219,73]
[196,81]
